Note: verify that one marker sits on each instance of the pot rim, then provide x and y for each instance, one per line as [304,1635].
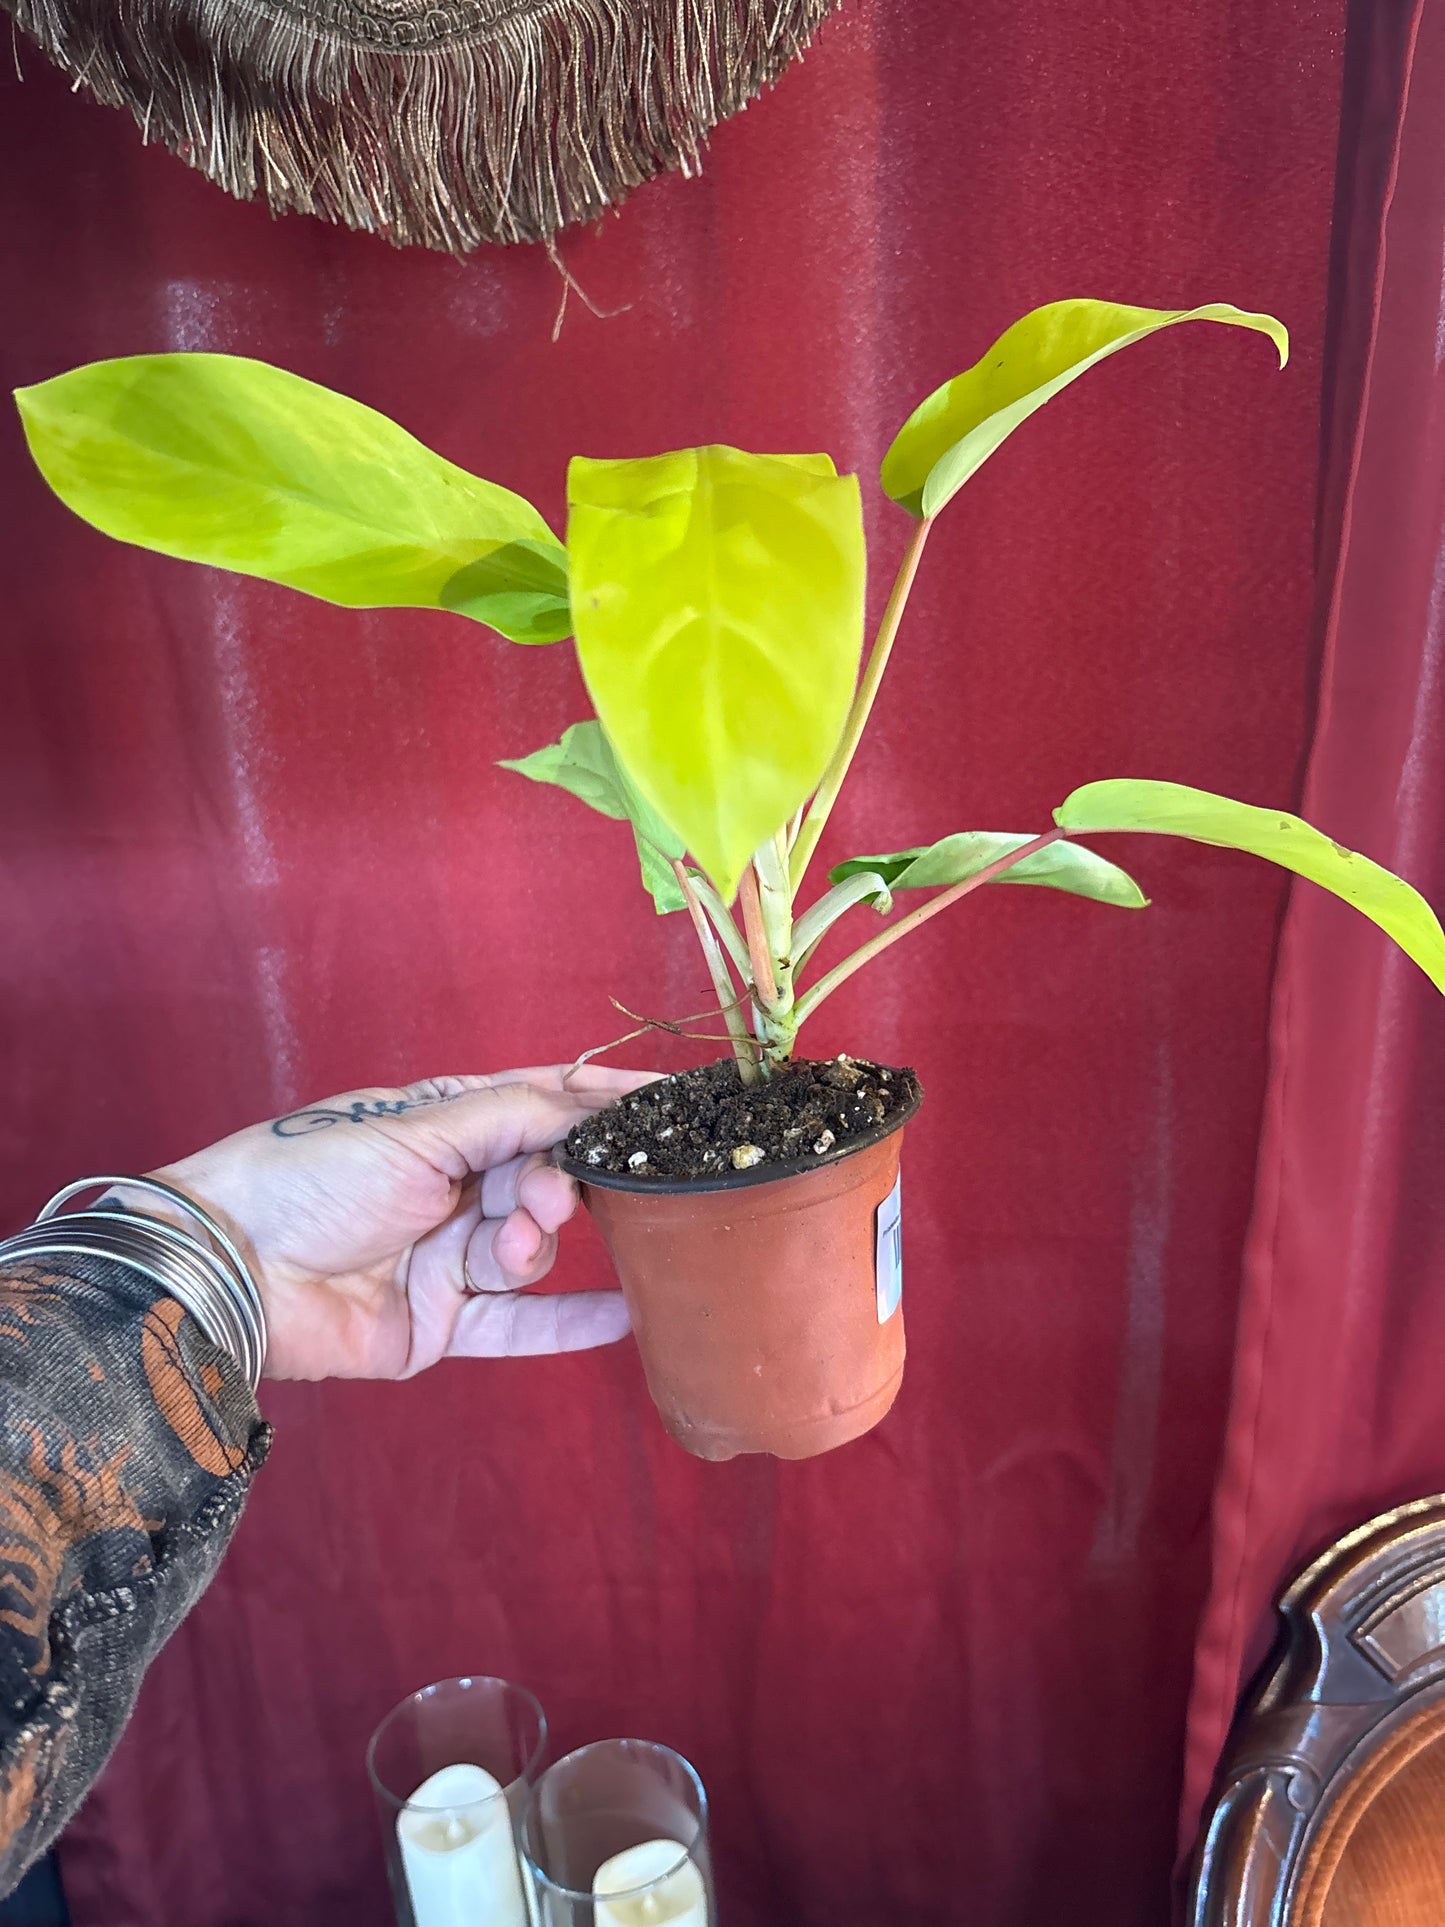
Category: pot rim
[739,1180]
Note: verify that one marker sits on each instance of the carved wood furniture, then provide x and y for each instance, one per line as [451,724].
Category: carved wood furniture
[1330,1811]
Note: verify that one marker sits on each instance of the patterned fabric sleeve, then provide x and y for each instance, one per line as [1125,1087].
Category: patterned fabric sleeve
[127,1446]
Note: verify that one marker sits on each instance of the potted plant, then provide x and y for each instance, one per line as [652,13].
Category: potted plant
[717,601]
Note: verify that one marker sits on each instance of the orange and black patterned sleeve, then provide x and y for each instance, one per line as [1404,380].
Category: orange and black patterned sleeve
[127,1446]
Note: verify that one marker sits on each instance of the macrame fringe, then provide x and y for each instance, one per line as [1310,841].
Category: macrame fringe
[443,123]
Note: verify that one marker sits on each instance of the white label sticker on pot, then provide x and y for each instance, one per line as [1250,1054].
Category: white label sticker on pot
[890,1253]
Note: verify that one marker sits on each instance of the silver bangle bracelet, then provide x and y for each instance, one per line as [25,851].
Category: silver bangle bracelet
[213,1281]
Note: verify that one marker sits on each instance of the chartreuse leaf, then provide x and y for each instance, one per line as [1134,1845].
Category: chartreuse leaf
[214,458]
[1061,866]
[1174,810]
[953,432]
[718,603]
[583,763]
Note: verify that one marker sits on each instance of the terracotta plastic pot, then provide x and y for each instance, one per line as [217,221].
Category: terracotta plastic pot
[765,1304]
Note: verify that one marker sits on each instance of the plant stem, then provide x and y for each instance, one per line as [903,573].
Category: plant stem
[767,907]
[819,917]
[825,986]
[765,988]
[723,923]
[777,1026]
[775,899]
[864,697]
[743,1047]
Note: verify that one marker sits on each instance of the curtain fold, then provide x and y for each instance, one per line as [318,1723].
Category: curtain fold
[1338,1406]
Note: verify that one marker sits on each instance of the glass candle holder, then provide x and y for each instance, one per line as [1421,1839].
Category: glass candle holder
[615,1835]
[451,1768]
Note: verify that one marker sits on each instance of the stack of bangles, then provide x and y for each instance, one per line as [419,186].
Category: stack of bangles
[212,1280]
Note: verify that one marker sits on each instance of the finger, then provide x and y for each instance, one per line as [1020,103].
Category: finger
[604,1080]
[506,1256]
[456,1086]
[479,1128]
[523,1252]
[599,1079]
[550,1195]
[525,1327]
[534,1183]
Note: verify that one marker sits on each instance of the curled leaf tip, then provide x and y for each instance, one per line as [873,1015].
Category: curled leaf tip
[956,428]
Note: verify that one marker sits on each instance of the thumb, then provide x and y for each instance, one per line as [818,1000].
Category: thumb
[471,1129]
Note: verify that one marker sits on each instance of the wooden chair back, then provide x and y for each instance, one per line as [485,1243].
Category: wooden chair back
[1330,1810]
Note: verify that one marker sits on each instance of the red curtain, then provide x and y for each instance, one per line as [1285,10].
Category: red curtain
[1337,1409]
[257,850]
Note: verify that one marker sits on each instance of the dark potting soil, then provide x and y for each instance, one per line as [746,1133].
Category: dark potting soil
[706,1123]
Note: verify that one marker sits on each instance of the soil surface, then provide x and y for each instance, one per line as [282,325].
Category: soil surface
[706,1123]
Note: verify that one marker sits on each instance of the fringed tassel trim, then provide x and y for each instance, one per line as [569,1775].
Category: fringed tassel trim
[439,125]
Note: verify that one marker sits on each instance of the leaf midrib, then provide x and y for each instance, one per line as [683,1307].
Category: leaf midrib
[188,465]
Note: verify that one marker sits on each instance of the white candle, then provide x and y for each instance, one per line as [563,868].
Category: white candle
[680,1900]
[458,1852]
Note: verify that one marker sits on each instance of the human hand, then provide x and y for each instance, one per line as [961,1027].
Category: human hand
[388,1229]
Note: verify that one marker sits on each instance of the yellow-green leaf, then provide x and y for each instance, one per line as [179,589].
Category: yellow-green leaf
[1172,809]
[583,764]
[718,603]
[953,432]
[953,859]
[215,458]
